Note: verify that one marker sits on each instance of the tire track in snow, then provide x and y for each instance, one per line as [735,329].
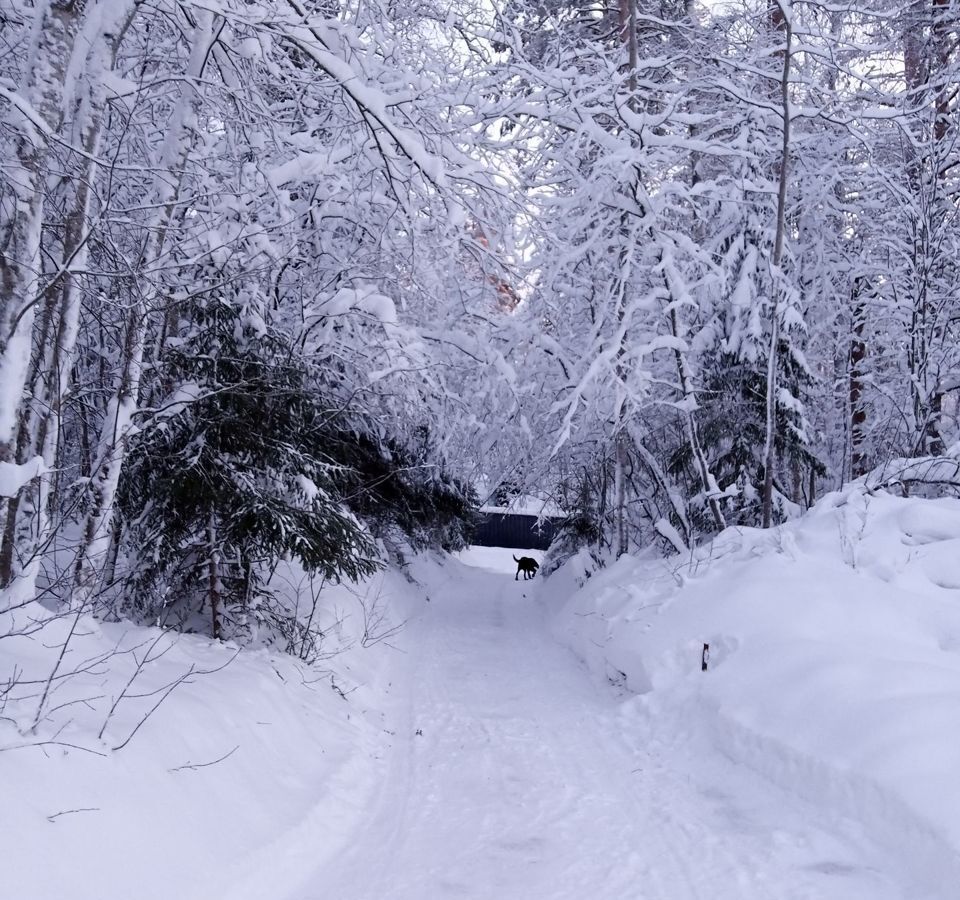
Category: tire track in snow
[512,777]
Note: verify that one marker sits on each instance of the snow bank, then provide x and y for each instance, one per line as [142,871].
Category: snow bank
[835,660]
[245,778]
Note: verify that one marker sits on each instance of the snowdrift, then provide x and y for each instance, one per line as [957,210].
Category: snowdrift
[835,661]
[242,781]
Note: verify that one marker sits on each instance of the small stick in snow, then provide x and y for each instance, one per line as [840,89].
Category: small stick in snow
[66,812]
[705,658]
[43,744]
[212,762]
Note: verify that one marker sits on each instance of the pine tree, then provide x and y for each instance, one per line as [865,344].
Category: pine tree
[236,474]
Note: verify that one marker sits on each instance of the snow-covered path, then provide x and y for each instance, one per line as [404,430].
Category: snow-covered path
[513,774]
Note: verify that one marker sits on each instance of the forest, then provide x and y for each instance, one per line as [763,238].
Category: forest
[311,280]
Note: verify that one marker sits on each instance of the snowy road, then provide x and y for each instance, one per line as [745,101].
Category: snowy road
[513,775]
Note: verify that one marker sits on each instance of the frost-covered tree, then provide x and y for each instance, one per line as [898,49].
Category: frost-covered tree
[308,166]
[608,251]
[234,472]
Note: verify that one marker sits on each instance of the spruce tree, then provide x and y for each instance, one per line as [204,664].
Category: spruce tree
[236,472]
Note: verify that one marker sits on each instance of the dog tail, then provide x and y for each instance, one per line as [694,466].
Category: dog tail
[515,559]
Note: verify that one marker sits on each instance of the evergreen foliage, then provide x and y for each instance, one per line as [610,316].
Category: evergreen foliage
[237,470]
[732,428]
[394,488]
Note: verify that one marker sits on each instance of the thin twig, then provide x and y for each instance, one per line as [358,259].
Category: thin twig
[67,812]
[169,690]
[54,744]
[212,762]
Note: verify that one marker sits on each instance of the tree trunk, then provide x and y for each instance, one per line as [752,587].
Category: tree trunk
[628,36]
[693,432]
[214,586]
[96,531]
[934,444]
[928,43]
[620,493]
[784,19]
[769,449]
[55,32]
[54,342]
[858,413]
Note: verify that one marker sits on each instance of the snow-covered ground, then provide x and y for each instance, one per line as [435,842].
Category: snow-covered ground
[478,756]
[515,774]
[239,783]
[834,678]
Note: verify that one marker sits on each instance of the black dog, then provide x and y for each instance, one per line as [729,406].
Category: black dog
[527,565]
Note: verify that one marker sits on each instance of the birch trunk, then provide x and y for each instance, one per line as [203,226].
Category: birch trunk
[55,343]
[36,114]
[97,528]
[785,21]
